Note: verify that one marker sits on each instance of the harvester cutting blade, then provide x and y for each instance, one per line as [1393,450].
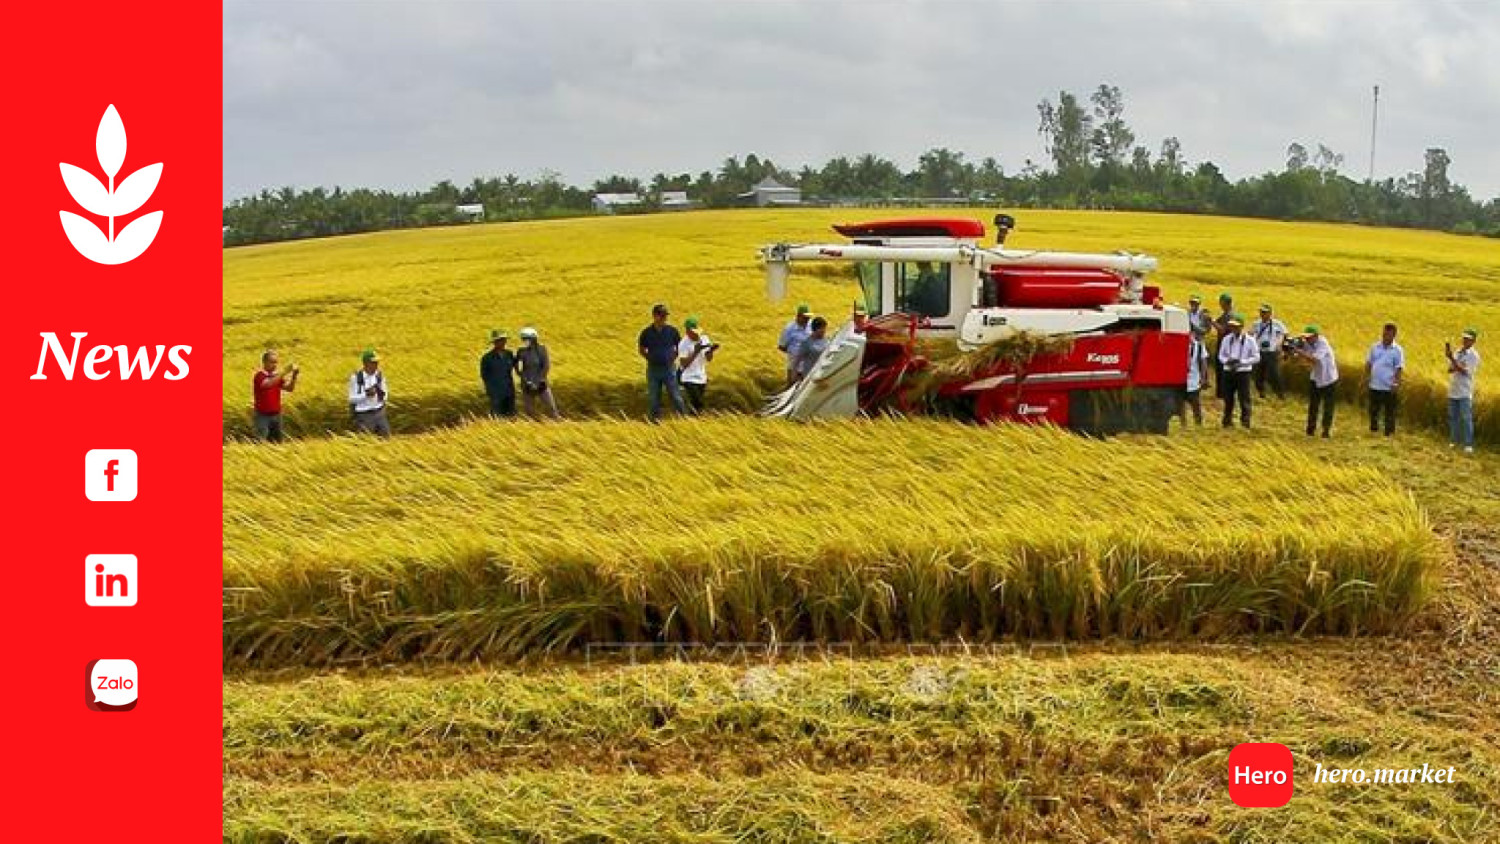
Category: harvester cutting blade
[831,388]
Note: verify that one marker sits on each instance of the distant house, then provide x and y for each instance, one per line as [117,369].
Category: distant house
[676,200]
[472,213]
[768,191]
[606,203]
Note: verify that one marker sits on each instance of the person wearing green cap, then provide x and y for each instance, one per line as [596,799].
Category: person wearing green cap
[1221,330]
[1325,377]
[1238,354]
[792,337]
[693,354]
[1270,334]
[497,371]
[1462,365]
[368,392]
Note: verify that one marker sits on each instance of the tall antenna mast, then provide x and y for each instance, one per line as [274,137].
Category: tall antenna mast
[1374,120]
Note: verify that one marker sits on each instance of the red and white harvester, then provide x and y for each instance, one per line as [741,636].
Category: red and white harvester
[1116,361]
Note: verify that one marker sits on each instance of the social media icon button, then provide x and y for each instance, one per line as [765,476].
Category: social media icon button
[110,580]
[113,685]
[109,474]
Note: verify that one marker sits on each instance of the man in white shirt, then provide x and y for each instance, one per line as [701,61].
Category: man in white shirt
[1197,376]
[1383,368]
[693,354]
[367,396]
[1270,333]
[1325,378]
[1462,366]
[1238,354]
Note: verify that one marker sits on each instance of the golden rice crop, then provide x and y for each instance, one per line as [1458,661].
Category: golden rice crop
[509,537]
[428,298]
[531,808]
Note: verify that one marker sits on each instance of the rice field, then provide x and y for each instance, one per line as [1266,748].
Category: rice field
[508,538]
[1049,746]
[1019,634]
[427,299]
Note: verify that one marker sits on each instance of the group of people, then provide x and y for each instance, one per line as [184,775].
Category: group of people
[1236,359]
[500,367]
[676,362]
[369,392]
[1243,357]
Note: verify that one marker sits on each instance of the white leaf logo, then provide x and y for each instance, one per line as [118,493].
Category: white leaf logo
[111,202]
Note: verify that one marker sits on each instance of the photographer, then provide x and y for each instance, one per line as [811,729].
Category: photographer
[693,355]
[1270,334]
[1325,377]
[1462,365]
[267,389]
[367,396]
[1238,354]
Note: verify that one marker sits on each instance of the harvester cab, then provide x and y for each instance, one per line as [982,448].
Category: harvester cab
[1071,339]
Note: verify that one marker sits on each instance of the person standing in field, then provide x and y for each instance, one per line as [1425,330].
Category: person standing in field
[267,388]
[1238,354]
[1221,330]
[1325,378]
[1270,334]
[1384,366]
[535,366]
[812,348]
[368,393]
[657,344]
[1199,322]
[497,371]
[693,356]
[1197,376]
[1462,365]
[792,337]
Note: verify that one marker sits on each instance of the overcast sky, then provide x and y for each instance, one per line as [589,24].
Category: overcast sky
[402,94]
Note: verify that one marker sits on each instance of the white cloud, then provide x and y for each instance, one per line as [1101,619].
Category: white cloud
[403,94]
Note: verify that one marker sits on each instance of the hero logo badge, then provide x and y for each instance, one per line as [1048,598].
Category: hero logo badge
[1025,409]
[111,201]
[1107,360]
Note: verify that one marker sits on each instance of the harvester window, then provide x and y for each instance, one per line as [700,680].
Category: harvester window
[869,286]
[924,288]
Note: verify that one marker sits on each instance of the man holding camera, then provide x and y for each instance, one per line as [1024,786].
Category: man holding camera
[1462,365]
[367,395]
[693,355]
[1383,368]
[268,387]
[1238,355]
[1270,334]
[1325,378]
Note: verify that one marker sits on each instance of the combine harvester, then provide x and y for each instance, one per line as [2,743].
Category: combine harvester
[1069,339]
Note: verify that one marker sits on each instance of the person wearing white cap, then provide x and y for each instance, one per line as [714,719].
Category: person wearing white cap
[1270,333]
[1462,365]
[1238,355]
[535,366]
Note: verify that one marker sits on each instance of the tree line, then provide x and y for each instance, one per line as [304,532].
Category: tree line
[1095,162]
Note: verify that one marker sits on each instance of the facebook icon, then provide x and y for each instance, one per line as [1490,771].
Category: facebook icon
[109,474]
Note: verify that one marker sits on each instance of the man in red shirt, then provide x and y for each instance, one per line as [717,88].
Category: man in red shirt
[268,387]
